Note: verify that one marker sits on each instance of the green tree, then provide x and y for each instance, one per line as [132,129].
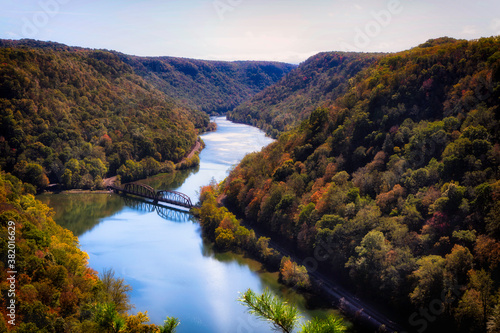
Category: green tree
[107,318]
[116,290]
[285,317]
[35,175]
[224,238]
[371,256]
[329,325]
[458,264]
[483,283]
[268,307]
[170,325]
[429,279]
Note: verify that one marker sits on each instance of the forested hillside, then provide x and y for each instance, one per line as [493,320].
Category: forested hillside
[209,86]
[47,276]
[73,116]
[397,181]
[315,83]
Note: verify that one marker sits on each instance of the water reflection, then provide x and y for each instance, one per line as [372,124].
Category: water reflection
[81,212]
[166,212]
[169,181]
[172,270]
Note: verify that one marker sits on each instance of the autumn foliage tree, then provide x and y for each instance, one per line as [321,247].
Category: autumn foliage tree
[397,175]
[55,288]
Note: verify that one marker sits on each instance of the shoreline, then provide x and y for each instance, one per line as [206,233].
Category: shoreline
[197,148]
[76,191]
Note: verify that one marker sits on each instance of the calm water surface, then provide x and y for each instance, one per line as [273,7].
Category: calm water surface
[160,252]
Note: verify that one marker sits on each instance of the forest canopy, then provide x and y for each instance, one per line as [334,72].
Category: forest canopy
[315,83]
[399,175]
[54,289]
[74,116]
[214,87]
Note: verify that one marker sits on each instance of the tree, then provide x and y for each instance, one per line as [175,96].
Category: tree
[329,221]
[487,251]
[107,317]
[482,282]
[429,279]
[371,256]
[293,274]
[170,325]
[245,238]
[469,312]
[268,307]
[224,238]
[67,178]
[116,290]
[493,220]
[493,324]
[285,317]
[458,263]
[33,173]
[3,325]
[266,253]
[137,323]
[329,325]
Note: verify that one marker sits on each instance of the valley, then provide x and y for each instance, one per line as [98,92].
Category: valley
[380,188]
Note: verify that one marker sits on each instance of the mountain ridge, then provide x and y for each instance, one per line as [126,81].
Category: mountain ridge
[74,116]
[397,179]
[314,83]
[214,86]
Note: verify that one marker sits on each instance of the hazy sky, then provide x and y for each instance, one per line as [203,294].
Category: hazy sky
[282,30]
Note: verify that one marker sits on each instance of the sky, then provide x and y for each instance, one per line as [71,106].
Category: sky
[277,30]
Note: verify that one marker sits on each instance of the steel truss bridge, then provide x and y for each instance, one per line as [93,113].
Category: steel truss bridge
[166,212]
[145,191]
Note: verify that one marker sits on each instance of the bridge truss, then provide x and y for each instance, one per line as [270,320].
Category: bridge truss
[146,191]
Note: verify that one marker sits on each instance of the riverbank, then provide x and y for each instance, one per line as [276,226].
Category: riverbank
[189,161]
[222,227]
[82,191]
[196,149]
[182,269]
[172,269]
[88,191]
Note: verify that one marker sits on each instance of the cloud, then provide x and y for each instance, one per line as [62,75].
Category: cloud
[470,30]
[495,25]
[12,35]
[290,57]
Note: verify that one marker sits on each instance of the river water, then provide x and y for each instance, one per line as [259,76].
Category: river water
[161,252]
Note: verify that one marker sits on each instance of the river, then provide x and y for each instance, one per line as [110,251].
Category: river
[161,252]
